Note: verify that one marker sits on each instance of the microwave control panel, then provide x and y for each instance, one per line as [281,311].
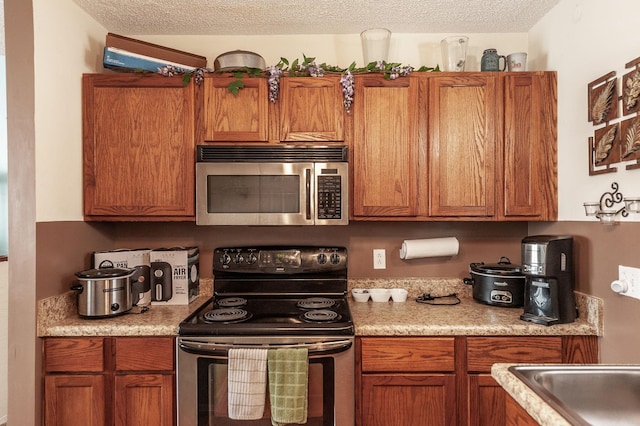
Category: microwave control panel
[329,197]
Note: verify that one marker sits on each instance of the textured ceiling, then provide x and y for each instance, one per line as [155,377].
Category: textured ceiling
[264,17]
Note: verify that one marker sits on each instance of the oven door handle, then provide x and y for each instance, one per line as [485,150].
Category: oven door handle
[222,349]
[307,187]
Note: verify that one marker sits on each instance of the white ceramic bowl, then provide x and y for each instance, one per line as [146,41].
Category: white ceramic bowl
[399,294]
[380,294]
[360,294]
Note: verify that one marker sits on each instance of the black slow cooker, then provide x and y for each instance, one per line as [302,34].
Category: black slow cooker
[498,284]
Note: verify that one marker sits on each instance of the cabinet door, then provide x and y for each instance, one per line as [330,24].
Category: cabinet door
[408,400]
[241,117]
[311,109]
[144,399]
[144,354]
[385,147]
[139,147]
[486,401]
[463,115]
[74,400]
[530,147]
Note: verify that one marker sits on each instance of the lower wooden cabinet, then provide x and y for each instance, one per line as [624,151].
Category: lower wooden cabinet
[109,381]
[447,380]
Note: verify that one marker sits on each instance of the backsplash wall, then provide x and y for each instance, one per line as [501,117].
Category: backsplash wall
[58,261]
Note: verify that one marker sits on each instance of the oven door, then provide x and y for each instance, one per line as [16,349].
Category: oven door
[202,379]
[250,193]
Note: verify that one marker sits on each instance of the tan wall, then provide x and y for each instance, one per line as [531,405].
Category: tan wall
[599,250]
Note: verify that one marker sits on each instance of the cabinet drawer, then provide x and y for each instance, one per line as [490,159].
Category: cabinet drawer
[74,354]
[408,354]
[144,353]
[482,352]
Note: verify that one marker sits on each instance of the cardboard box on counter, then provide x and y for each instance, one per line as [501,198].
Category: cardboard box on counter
[137,259]
[175,276]
[161,53]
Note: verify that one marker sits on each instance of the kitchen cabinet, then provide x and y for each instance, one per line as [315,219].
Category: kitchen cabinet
[516,415]
[528,180]
[447,380]
[387,150]
[455,146]
[138,147]
[463,130]
[241,117]
[109,381]
[406,381]
[311,109]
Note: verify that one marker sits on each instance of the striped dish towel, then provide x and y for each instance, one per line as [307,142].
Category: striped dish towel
[247,382]
[288,385]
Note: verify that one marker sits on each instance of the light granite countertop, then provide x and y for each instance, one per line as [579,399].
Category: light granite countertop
[57,316]
[537,407]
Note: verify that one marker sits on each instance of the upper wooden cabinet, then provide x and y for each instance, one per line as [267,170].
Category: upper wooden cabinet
[138,147]
[236,117]
[311,109]
[386,147]
[455,146]
[308,109]
[463,116]
[528,187]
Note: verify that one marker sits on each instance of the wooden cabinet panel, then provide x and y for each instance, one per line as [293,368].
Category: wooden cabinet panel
[139,147]
[385,149]
[463,117]
[486,401]
[241,117]
[483,352]
[311,109]
[144,353]
[83,354]
[415,354]
[408,400]
[154,392]
[530,146]
[516,415]
[74,400]
[113,392]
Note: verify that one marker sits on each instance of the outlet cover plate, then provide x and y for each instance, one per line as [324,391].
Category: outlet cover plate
[379,259]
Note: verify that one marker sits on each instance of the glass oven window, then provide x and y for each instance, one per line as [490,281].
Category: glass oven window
[212,394]
[253,193]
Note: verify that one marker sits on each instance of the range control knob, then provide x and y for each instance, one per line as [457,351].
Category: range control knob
[225,259]
[239,258]
[335,259]
[322,258]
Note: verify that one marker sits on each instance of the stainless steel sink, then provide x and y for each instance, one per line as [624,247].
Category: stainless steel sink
[587,394]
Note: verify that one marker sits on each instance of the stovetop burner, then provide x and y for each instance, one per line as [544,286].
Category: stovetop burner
[226,315]
[321,315]
[316,303]
[231,302]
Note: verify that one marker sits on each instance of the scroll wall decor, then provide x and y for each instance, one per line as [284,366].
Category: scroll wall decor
[613,111]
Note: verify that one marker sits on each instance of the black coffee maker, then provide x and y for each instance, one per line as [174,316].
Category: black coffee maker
[547,264]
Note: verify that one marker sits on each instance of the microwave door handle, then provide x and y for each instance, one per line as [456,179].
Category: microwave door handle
[307,184]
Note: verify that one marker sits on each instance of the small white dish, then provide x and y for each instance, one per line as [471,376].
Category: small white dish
[360,294]
[380,294]
[399,294]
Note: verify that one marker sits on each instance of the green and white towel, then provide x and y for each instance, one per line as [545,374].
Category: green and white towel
[288,385]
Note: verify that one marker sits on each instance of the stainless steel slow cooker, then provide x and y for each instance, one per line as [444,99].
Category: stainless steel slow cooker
[498,284]
[104,292]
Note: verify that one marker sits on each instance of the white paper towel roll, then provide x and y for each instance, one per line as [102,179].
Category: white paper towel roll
[429,247]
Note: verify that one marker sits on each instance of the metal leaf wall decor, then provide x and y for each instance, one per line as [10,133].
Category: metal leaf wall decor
[604,144]
[602,103]
[615,115]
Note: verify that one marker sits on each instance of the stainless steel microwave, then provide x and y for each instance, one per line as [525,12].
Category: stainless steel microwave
[272,185]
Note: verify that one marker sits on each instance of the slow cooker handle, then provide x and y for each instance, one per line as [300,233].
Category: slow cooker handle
[468,281]
[78,288]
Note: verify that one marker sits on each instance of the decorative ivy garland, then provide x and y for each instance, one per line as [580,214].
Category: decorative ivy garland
[307,68]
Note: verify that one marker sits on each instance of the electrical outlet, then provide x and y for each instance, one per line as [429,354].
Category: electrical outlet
[379,259]
[628,282]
